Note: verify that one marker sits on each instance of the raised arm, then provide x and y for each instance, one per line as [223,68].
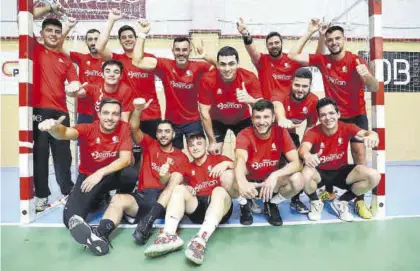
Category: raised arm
[57,130]
[251,48]
[295,53]
[200,52]
[146,63]
[68,26]
[113,16]
[55,8]
[139,105]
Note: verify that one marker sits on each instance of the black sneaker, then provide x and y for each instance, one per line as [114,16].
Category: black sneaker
[299,207]
[245,217]
[272,211]
[143,230]
[85,235]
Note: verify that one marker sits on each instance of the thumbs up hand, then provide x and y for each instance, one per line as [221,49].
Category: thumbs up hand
[49,125]
[312,160]
[74,87]
[164,169]
[361,69]
[243,96]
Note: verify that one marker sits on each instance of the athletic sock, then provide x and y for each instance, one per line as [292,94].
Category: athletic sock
[348,196]
[313,196]
[361,197]
[208,227]
[171,224]
[105,227]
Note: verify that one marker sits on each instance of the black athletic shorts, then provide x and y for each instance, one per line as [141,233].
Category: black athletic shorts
[145,200]
[198,215]
[220,129]
[361,121]
[336,177]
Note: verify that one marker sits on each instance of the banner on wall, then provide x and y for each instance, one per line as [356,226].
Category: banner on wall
[90,10]
[401,71]
[9,77]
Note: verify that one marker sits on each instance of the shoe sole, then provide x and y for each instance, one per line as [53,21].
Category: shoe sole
[190,256]
[82,233]
[338,214]
[161,252]
[140,238]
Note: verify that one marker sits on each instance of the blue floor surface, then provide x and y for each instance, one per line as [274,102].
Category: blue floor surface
[402,184]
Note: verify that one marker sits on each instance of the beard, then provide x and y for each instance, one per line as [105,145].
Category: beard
[165,145]
[266,132]
[300,99]
[336,53]
[106,130]
[93,50]
[276,54]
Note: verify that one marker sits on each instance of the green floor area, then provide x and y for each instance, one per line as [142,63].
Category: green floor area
[375,245]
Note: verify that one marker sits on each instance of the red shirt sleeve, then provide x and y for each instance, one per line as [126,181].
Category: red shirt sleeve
[310,136]
[146,141]
[162,65]
[204,93]
[315,59]
[182,164]
[126,142]
[278,96]
[83,129]
[260,61]
[75,57]
[352,129]
[72,74]
[204,66]
[127,101]
[253,87]
[242,141]
[313,114]
[90,90]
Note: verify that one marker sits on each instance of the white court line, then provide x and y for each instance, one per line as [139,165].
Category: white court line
[196,226]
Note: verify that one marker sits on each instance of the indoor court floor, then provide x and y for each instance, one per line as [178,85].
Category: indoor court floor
[389,244]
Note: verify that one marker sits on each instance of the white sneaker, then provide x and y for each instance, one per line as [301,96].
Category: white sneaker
[41,204]
[315,210]
[64,199]
[164,244]
[342,210]
[277,199]
[255,207]
[195,250]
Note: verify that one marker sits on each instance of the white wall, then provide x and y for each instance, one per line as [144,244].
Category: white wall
[400,17]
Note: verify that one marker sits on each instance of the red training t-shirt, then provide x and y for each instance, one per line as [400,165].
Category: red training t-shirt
[90,70]
[334,147]
[222,95]
[264,155]
[198,176]
[342,82]
[50,71]
[181,89]
[153,158]
[98,149]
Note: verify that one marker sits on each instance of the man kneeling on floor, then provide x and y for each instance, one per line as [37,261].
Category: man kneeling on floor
[162,170]
[204,200]
[324,151]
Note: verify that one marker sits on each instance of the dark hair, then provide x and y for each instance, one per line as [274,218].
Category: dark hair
[228,51]
[109,101]
[51,21]
[303,73]
[334,28]
[197,134]
[181,39]
[261,105]
[112,62]
[273,34]
[324,102]
[124,28]
[165,122]
[90,31]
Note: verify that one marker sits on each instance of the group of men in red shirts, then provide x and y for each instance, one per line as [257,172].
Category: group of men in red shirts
[118,107]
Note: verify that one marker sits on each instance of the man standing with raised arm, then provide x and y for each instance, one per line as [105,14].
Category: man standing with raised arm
[180,78]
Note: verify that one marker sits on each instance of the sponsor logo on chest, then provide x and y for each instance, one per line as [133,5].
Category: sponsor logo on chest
[93,73]
[264,163]
[103,155]
[138,75]
[229,105]
[182,85]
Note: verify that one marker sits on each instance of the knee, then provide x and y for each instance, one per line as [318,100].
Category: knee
[180,189]
[117,201]
[374,177]
[227,179]
[297,181]
[219,192]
